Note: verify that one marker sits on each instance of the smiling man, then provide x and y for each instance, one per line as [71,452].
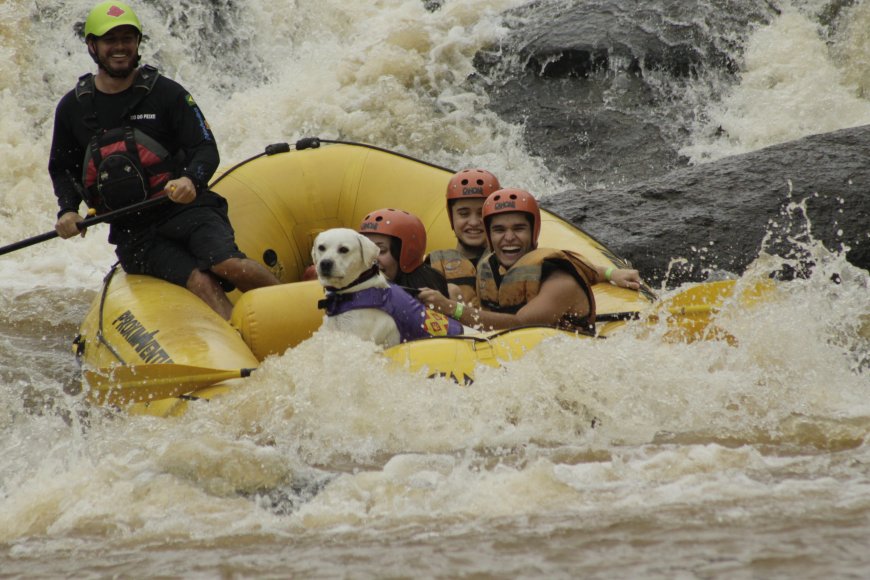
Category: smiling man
[520,284]
[127,134]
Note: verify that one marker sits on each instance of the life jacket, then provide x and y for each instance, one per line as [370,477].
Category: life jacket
[522,282]
[458,270]
[413,319]
[122,166]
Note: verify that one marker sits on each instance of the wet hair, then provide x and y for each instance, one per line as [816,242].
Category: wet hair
[423,277]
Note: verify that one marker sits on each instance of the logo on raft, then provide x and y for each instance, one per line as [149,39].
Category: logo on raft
[142,341]
[465,380]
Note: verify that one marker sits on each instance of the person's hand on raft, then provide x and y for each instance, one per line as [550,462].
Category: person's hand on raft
[626,278]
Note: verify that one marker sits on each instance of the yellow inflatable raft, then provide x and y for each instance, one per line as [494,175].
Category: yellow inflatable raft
[142,336]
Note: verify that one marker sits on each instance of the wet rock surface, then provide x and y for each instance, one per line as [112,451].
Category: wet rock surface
[608,93]
[717,215]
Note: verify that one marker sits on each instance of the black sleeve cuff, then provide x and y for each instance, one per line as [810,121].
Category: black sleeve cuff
[66,210]
[198,184]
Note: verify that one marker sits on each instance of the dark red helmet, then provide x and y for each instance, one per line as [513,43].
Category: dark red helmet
[469,184]
[472,183]
[511,200]
[406,227]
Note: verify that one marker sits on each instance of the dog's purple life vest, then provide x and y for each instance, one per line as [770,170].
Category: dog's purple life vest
[413,319]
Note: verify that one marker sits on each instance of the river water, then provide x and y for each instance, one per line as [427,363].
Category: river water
[707,460]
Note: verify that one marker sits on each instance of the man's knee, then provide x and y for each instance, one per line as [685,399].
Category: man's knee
[199,280]
[244,273]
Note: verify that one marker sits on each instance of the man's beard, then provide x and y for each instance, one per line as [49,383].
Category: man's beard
[123,73]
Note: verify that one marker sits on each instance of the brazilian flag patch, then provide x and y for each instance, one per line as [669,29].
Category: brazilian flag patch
[190,101]
[435,323]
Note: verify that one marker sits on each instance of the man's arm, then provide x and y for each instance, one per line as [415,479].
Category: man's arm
[65,161]
[197,141]
[622,277]
[560,293]
[64,167]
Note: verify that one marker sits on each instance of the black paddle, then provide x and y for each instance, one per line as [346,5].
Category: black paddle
[86,223]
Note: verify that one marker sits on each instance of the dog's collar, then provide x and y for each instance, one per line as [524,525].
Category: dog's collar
[367,275]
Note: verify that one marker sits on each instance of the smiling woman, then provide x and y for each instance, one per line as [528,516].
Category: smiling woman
[401,238]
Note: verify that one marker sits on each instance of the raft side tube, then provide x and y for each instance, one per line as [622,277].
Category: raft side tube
[276,318]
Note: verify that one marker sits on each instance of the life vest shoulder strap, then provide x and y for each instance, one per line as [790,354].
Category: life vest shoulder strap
[86,88]
[458,270]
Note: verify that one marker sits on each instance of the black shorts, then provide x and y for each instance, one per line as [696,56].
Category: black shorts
[195,238]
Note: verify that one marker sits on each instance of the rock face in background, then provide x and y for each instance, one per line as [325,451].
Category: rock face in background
[724,210]
[608,93]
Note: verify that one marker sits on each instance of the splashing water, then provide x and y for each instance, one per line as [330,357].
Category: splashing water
[630,456]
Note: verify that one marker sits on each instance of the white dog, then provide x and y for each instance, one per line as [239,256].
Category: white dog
[347,262]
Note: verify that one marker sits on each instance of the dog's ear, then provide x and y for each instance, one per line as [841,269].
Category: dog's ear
[368,250]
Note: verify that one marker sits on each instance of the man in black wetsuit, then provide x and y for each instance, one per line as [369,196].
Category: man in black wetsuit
[128,134]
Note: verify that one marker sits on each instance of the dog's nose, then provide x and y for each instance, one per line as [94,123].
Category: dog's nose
[325,267]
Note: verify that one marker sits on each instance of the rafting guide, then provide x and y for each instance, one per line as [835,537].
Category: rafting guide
[127,135]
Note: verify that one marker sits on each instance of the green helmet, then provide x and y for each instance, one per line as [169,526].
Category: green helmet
[107,15]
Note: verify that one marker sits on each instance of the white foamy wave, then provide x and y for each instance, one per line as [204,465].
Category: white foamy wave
[792,85]
[632,422]
[394,75]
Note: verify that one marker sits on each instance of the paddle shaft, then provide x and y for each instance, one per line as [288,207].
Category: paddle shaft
[85,223]
[674,311]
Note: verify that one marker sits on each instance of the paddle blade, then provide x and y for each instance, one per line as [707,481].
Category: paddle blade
[122,385]
[691,312]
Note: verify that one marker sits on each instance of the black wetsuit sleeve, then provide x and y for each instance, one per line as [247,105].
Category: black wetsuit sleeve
[65,157]
[201,157]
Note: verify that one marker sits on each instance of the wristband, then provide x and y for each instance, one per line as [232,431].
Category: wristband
[608,273]
[460,308]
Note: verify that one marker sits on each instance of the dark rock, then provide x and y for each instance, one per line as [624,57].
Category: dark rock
[607,90]
[716,215]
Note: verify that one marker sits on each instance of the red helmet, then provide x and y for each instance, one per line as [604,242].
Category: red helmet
[406,227]
[472,183]
[511,200]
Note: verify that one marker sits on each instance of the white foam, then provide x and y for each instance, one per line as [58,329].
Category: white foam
[791,85]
